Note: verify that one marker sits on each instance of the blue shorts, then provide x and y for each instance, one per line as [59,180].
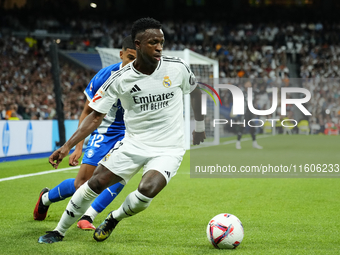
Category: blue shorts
[98,146]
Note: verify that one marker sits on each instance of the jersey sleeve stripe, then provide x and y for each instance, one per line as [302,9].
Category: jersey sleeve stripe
[113,77]
[177,60]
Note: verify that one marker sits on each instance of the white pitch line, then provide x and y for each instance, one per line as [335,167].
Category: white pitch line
[76,167]
[40,173]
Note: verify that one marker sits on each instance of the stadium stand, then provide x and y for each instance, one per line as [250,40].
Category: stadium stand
[275,52]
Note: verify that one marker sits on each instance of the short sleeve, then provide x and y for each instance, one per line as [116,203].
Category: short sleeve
[105,97]
[189,79]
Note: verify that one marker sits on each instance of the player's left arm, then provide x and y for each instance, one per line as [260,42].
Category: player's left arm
[190,86]
[196,104]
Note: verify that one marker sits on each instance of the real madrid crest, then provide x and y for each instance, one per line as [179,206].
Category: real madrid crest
[106,157]
[166,82]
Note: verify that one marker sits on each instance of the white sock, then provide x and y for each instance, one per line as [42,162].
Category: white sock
[134,203]
[45,199]
[80,201]
[92,213]
[238,145]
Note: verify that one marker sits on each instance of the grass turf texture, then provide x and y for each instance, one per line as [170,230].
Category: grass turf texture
[280,215]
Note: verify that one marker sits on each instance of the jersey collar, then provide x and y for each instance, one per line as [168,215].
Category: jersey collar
[138,72]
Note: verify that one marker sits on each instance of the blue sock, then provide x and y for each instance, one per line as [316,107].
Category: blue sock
[63,190]
[106,197]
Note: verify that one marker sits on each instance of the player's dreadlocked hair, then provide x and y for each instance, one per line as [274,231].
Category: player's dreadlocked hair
[128,43]
[143,24]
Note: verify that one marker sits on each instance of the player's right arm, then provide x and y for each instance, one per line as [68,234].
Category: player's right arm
[73,159]
[87,126]
[90,91]
[101,103]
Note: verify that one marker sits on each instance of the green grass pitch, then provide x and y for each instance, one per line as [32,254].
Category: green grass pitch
[279,215]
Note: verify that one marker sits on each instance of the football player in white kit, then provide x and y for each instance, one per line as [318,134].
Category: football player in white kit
[151,91]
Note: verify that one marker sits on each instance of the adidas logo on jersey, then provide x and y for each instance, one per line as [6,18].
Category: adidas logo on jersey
[135,89]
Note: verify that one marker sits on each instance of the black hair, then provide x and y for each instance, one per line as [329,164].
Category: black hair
[143,24]
[128,43]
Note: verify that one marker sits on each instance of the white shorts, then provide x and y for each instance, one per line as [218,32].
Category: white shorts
[129,156]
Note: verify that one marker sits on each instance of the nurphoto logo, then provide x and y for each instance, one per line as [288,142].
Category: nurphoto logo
[239,104]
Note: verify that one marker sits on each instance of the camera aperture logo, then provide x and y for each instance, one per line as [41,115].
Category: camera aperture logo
[239,104]
[204,96]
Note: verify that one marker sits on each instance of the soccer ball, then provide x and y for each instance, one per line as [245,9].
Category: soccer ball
[225,231]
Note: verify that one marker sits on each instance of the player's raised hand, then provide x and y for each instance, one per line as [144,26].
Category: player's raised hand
[57,156]
[198,137]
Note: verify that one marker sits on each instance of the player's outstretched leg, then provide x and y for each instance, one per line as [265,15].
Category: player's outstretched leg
[239,136]
[64,190]
[80,201]
[238,145]
[137,201]
[134,203]
[98,205]
[85,222]
[40,210]
[253,136]
[51,237]
[257,146]
[105,229]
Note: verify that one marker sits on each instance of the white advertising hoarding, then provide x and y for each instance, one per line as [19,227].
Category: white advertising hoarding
[25,137]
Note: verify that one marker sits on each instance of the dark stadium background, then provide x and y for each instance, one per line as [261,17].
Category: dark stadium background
[228,10]
[28,27]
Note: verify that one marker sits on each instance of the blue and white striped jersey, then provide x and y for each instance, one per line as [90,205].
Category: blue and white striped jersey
[113,122]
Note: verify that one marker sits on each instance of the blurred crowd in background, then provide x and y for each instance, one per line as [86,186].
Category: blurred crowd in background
[273,52]
[26,84]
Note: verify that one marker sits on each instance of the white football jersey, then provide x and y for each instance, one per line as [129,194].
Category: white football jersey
[153,103]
